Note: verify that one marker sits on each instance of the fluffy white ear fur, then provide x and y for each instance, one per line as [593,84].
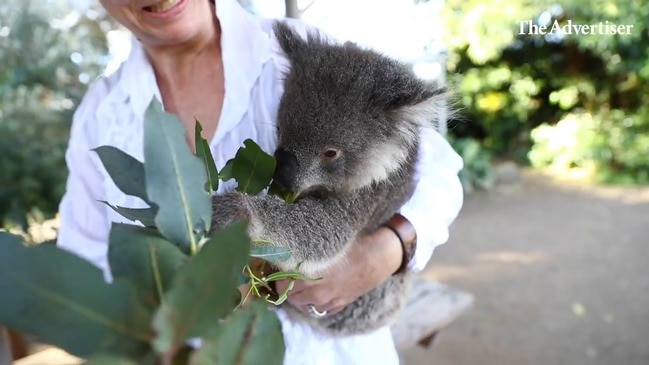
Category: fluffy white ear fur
[428,113]
[388,157]
[381,161]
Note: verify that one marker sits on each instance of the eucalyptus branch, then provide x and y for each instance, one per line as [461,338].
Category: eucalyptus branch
[257,282]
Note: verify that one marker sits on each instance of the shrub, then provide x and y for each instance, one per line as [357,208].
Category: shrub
[49,53]
[612,145]
[477,171]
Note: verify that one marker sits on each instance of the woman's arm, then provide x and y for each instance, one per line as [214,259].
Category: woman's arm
[438,196]
[84,225]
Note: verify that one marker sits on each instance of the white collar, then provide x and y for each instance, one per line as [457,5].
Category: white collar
[245,48]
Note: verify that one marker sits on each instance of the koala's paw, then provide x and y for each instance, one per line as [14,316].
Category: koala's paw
[227,209]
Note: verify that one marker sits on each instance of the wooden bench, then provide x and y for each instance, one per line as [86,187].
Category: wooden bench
[431,307]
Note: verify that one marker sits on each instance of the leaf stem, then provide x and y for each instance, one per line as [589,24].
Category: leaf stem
[156,272]
[260,241]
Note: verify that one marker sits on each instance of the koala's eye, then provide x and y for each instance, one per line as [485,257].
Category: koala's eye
[331,154]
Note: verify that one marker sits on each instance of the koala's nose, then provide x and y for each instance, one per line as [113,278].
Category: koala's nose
[286,170]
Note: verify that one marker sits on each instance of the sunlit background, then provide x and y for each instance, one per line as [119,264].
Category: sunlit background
[554,131]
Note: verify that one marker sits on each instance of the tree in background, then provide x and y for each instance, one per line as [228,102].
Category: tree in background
[49,52]
[574,100]
[293,10]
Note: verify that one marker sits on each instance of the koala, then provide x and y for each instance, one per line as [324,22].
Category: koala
[348,127]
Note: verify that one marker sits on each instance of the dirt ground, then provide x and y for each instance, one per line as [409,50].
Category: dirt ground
[560,274]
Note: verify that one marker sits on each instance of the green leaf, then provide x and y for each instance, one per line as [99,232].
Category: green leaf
[204,290]
[251,336]
[145,258]
[226,171]
[146,216]
[252,168]
[175,180]
[242,279]
[204,153]
[270,253]
[126,171]
[288,196]
[64,300]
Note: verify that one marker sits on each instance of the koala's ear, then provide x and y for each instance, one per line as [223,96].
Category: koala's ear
[289,40]
[398,87]
[424,104]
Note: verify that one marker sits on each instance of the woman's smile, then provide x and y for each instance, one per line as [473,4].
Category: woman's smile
[165,7]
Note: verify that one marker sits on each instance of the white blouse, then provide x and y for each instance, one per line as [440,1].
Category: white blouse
[112,114]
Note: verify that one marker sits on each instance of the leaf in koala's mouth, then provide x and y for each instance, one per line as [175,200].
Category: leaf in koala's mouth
[288,196]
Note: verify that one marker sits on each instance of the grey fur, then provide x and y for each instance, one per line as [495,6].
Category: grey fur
[370,109]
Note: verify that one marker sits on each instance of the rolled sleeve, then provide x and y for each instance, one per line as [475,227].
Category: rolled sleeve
[438,196]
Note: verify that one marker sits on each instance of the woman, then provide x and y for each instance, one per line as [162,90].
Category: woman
[217,63]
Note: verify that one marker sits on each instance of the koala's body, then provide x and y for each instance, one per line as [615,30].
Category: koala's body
[349,127]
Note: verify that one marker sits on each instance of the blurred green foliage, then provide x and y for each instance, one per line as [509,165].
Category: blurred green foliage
[49,51]
[477,172]
[612,144]
[593,86]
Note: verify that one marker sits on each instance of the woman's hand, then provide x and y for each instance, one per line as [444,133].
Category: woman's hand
[371,260]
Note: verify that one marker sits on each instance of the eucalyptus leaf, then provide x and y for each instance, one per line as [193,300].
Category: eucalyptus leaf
[63,300]
[250,336]
[175,180]
[204,290]
[146,216]
[288,196]
[252,168]
[145,258]
[226,172]
[270,253]
[126,172]
[205,154]
[242,279]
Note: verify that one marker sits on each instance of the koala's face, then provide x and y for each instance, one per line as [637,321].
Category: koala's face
[316,155]
[332,141]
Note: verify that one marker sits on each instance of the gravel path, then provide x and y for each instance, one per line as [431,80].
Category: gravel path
[560,272]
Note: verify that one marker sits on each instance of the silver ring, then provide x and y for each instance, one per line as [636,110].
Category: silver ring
[314,312]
